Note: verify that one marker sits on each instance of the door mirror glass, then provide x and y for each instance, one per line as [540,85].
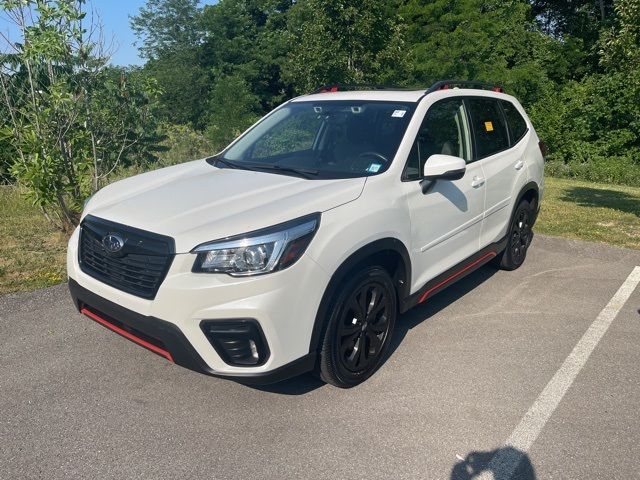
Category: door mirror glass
[444,167]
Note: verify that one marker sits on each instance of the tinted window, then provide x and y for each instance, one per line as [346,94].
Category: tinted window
[444,130]
[328,139]
[517,124]
[489,126]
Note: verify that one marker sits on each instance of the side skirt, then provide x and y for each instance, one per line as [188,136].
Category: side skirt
[454,274]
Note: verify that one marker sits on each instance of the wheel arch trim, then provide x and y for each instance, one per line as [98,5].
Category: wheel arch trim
[523,191]
[365,252]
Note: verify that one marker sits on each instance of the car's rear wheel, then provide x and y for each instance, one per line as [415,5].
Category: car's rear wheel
[359,329]
[519,237]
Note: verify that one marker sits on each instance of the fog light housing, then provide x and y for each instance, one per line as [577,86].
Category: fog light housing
[238,342]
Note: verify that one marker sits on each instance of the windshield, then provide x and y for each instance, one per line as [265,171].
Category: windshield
[330,139]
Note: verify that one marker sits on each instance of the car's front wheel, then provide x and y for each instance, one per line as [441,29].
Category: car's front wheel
[359,329]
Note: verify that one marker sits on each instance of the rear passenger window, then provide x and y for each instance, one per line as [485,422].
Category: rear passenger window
[517,124]
[488,125]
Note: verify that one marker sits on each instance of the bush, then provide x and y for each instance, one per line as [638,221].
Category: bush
[182,144]
[592,128]
[233,108]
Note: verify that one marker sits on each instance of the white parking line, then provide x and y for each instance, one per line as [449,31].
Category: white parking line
[503,465]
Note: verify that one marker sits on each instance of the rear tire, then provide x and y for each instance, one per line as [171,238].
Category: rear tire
[519,238]
[359,329]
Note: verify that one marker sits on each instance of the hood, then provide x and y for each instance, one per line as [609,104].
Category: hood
[196,202]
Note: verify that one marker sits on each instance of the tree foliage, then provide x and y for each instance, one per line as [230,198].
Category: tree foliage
[71,120]
[347,41]
[170,35]
[166,26]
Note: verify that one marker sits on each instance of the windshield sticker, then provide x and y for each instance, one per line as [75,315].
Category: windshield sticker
[488,126]
[356,110]
[398,113]
[373,168]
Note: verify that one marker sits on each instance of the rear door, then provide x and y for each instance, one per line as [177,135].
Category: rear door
[502,164]
[446,221]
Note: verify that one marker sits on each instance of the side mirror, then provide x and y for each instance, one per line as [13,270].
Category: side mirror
[441,167]
[444,167]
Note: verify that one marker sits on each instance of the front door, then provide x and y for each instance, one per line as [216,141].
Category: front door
[446,221]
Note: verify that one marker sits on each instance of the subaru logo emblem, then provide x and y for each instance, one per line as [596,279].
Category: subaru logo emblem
[112,243]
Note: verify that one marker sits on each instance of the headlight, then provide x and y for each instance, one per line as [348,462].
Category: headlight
[262,251]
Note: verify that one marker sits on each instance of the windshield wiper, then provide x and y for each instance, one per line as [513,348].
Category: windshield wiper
[216,159]
[302,172]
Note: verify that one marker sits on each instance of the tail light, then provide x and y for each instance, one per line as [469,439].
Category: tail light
[543,149]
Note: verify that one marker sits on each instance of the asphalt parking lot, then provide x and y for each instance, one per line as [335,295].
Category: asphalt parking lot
[472,368]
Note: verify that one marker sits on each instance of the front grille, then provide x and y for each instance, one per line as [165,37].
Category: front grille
[138,268]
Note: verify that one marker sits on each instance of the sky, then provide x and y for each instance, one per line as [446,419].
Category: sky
[115,17]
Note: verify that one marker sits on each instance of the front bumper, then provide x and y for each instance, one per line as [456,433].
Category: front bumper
[168,339]
[284,304]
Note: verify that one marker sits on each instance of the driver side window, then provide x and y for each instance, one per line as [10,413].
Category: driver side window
[444,130]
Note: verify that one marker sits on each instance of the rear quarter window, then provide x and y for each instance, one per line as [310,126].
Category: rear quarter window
[517,124]
[489,126]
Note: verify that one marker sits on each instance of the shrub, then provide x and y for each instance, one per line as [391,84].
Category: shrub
[182,144]
[592,128]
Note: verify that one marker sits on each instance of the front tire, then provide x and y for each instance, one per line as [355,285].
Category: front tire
[519,238]
[359,328]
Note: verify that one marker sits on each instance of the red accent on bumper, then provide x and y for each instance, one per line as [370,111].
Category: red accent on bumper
[455,275]
[143,343]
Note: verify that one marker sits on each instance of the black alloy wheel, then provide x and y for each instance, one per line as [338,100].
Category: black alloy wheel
[363,326]
[359,329]
[520,233]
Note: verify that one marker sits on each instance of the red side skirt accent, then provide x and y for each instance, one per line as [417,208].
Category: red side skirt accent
[455,275]
[143,343]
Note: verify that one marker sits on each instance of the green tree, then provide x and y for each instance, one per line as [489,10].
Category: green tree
[232,108]
[247,39]
[344,41]
[478,40]
[592,125]
[182,84]
[166,25]
[578,23]
[620,45]
[71,120]
[169,36]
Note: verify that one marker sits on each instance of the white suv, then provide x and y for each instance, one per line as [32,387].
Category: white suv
[297,247]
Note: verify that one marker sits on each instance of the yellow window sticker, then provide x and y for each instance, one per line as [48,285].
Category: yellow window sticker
[488,126]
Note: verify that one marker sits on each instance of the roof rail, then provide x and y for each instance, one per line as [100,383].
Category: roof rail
[345,87]
[447,84]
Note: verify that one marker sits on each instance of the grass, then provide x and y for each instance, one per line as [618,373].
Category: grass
[591,211]
[32,253]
